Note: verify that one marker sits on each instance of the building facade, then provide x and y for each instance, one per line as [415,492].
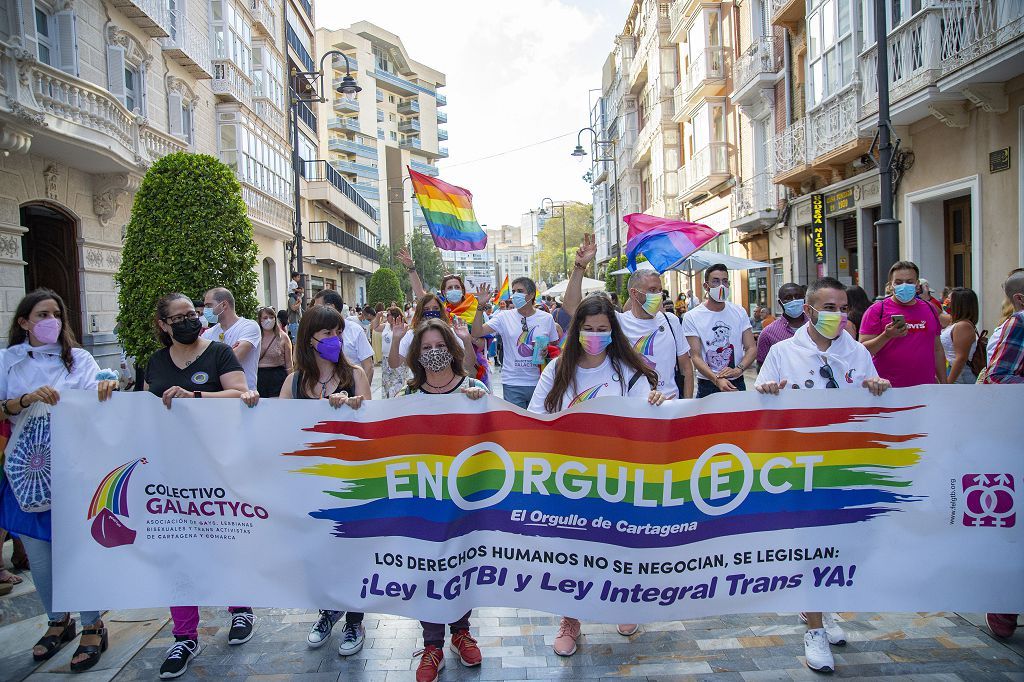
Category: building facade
[91,94]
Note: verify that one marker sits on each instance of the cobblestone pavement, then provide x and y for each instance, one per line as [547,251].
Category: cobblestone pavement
[516,645]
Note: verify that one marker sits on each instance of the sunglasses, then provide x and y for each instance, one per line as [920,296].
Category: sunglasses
[826,373]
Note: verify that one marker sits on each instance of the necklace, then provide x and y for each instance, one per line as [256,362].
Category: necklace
[442,386]
[323,386]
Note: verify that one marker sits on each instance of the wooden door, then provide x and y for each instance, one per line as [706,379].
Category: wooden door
[957,219]
[51,258]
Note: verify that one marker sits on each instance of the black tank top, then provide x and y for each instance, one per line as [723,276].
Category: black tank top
[299,392]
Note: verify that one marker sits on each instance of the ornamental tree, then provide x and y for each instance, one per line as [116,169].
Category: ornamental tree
[189,232]
[384,288]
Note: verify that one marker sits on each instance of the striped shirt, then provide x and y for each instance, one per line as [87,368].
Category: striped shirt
[779,330]
[1007,366]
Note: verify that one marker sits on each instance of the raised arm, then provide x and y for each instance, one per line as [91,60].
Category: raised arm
[574,289]
[405,258]
[479,330]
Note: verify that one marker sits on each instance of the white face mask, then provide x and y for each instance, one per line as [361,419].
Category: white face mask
[267,323]
[719,294]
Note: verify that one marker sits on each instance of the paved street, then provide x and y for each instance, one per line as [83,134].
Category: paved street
[516,645]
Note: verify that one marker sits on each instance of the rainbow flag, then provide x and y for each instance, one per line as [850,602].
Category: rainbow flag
[665,243]
[449,213]
[503,293]
[466,308]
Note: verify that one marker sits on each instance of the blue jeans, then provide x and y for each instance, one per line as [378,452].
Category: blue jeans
[293,330]
[705,387]
[520,396]
[40,558]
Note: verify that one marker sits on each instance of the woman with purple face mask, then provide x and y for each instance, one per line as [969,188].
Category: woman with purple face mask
[41,360]
[321,369]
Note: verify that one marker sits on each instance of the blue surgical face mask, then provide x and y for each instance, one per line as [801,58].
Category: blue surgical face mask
[453,296]
[793,309]
[905,293]
[518,300]
[210,316]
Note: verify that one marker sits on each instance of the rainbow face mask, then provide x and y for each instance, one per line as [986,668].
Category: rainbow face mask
[829,324]
[652,303]
[594,343]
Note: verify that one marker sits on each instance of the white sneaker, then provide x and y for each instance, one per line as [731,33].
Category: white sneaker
[836,635]
[817,652]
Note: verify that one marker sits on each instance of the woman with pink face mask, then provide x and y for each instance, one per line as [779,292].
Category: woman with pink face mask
[275,355]
[41,360]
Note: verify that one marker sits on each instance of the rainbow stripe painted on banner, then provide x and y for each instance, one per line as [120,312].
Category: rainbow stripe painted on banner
[112,492]
[856,479]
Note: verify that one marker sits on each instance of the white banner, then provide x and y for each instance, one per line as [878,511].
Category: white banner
[428,506]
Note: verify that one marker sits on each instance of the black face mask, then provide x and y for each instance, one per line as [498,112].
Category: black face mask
[187,331]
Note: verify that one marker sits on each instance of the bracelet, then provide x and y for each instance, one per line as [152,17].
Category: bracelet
[21,402]
[5,409]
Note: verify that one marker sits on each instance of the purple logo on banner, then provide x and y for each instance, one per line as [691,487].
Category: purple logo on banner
[989,500]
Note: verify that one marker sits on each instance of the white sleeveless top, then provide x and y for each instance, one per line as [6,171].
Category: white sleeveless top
[946,337]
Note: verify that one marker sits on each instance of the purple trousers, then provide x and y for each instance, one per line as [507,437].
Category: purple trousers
[433,633]
[186,620]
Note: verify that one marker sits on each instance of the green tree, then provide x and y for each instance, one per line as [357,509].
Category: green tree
[384,288]
[189,232]
[610,280]
[427,258]
[579,220]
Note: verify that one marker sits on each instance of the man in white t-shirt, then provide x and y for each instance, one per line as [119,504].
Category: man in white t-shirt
[820,354]
[722,344]
[657,336]
[520,330]
[354,344]
[227,327]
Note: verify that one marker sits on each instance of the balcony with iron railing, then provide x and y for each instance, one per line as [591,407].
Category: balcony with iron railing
[293,42]
[755,203]
[985,34]
[833,136]
[409,106]
[149,15]
[363,244]
[307,116]
[754,71]
[340,144]
[230,83]
[343,124]
[442,117]
[320,171]
[442,152]
[441,99]
[791,164]
[442,134]
[341,63]
[707,168]
[410,143]
[265,22]
[409,125]
[788,13]
[915,63]
[358,169]
[189,47]
[346,105]
[706,75]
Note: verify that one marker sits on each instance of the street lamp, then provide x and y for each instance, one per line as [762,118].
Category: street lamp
[579,153]
[313,82]
[565,255]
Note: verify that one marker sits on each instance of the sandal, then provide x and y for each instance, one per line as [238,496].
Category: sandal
[9,578]
[92,651]
[60,633]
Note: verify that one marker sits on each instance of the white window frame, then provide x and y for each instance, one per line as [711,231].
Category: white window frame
[125,53]
[181,108]
[839,53]
[61,41]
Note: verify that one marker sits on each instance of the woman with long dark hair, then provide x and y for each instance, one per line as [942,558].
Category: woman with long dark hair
[430,307]
[597,361]
[42,359]
[858,301]
[188,367]
[322,372]
[960,338]
[436,362]
[275,361]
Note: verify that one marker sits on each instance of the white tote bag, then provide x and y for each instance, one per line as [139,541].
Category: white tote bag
[27,459]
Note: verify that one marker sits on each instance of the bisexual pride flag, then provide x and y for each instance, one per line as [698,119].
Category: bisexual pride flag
[665,243]
[449,213]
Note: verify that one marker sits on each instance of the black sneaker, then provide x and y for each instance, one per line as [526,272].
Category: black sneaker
[178,656]
[242,626]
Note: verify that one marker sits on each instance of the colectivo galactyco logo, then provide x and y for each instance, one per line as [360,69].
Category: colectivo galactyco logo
[109,502]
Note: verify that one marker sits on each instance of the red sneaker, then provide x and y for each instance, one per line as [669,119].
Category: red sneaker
[1002,624]
[465,646]
[431,664]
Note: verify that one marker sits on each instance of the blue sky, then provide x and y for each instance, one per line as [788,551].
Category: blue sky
[518,73]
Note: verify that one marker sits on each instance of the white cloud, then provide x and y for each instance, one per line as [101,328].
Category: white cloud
[518,73]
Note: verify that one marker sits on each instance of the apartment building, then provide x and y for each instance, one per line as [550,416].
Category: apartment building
[512,250]
[92,93]
[957,108]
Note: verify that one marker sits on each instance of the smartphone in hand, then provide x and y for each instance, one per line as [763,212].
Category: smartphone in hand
[899,320]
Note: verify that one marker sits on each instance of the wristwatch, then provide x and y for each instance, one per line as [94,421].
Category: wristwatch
[197,394]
